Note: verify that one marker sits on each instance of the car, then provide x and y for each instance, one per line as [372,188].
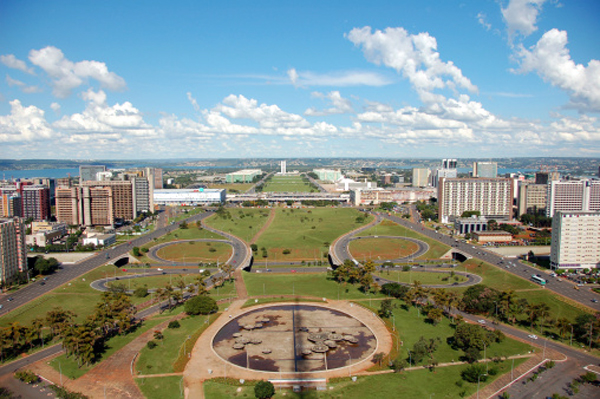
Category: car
[533,336]
[1,306]
[293,271]
[10,299]
[594,300]
[42,283]
[481,321]
[160,270]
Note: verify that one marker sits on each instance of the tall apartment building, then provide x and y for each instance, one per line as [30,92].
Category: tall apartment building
[546,177]
[10,205]
[13,253]
[485,169]
[35,202]
[143,194]
[283,167]
[493,198]
[573,195]
[420,177]
[532,198]
[89,172]
[575,240]
[67,205]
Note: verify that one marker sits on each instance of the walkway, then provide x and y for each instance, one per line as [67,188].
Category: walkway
[265,227]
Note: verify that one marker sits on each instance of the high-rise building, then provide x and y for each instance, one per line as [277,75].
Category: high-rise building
[283,167]
[532,198]
[492,198]
[575,240]
[485,169]
[546,177]
[89,172]
[67,205]
[143,195]
[35,202]
[10,205]
[573,195]
[420,177]
[13,254]
[448,170]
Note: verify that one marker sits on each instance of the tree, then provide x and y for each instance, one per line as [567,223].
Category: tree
[264,390]
[435,315]
[201,304]
[471,336]
[378,358]
[394,289]
[141,292]
[474,373]
[183,225]
[386,308]
[135,251]
[45,266]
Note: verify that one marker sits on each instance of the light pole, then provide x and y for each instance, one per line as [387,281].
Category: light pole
[571,341]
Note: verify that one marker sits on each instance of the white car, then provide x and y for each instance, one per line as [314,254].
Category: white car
[481,321]
[532,336]
[159,269]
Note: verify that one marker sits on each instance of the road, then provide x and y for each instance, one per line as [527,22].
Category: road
[66,273]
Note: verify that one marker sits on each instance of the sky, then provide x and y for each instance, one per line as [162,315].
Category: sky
[255,79]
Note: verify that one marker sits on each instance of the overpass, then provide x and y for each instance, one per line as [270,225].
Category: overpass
[283,197]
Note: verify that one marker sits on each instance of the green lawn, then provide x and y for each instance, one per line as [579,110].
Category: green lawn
[306,233]
[423,277]
[169,355]
[386,227]
[241,222]
[232,187]
[161,387]
[442,383]
[313,284]
[287,184]
[381,248]
[191,251]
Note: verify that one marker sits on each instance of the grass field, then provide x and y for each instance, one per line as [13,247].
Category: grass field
[241,222]
[423,277]
[306,233]
[381,248]
[386,227]
[191,233]
[287,184]
[313,284]
[161,387]
[196,252]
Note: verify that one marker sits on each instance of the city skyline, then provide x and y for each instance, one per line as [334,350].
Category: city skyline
[147,80]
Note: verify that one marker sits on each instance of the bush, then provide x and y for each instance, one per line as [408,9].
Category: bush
[201,304]
[264,390]
[174,324]
[27,376]
[474,373]
[286,251]
[140,292]
[135,251]
[151,344]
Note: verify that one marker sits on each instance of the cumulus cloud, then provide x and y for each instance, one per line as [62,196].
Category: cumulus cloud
[339,105]
[100,118]
[13,62]
[338,79]
[55,107]
[24,124]
[551,60]
[67,75]
[520,16]
[414,56]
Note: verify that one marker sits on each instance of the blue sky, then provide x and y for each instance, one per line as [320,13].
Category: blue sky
[150,79]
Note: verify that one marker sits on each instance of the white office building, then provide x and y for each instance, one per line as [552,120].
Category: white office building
[575,240]
[573,195]
[200,196]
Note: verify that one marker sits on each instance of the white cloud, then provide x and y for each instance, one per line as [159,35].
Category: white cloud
[551,60]
[414,56]
[338,79]
[24,124]
[24,88]
[55,107]
[193,101]
[112,121]
[339,105]
[482,19]
[67,75]
[13,62]
[521,16]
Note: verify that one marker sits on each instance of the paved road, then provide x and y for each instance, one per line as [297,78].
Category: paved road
[72,271]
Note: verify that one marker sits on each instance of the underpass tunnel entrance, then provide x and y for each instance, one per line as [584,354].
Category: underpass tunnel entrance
[122,261]
[458,256]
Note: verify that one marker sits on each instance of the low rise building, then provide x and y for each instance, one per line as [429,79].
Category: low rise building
[492,236]
[470,225]
[201,196]
[243,176]
[328,175]
[100,240]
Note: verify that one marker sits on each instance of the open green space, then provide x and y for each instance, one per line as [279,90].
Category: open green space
[232,187]
[558,307]
[287,184]
[496,277]
[380,249]
[442,383]
[302,284]
[170,355]
[306,233]
[196,251]
[183,212]
[243,223]
[161,387]
[388,228]
[425,278]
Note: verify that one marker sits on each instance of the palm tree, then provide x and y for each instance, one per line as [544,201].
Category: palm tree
[37,325]
[564,325]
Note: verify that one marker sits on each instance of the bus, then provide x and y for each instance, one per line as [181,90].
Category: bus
[538,279]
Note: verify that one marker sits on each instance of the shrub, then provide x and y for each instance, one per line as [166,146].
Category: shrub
[474,372]
[151,344]
[174,324]
[201,304]
[135,251]
[286,251]
[140,292]
[27,376]
[264,390]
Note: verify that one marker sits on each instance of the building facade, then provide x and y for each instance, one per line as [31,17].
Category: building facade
[242,176]
[532,198]
[485,169]
[13,253]
[575,240]
[189,196]
[493,198]
[330,175]
[447,170]
[573,195]
[420,177]
[35,202]
[89,172]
